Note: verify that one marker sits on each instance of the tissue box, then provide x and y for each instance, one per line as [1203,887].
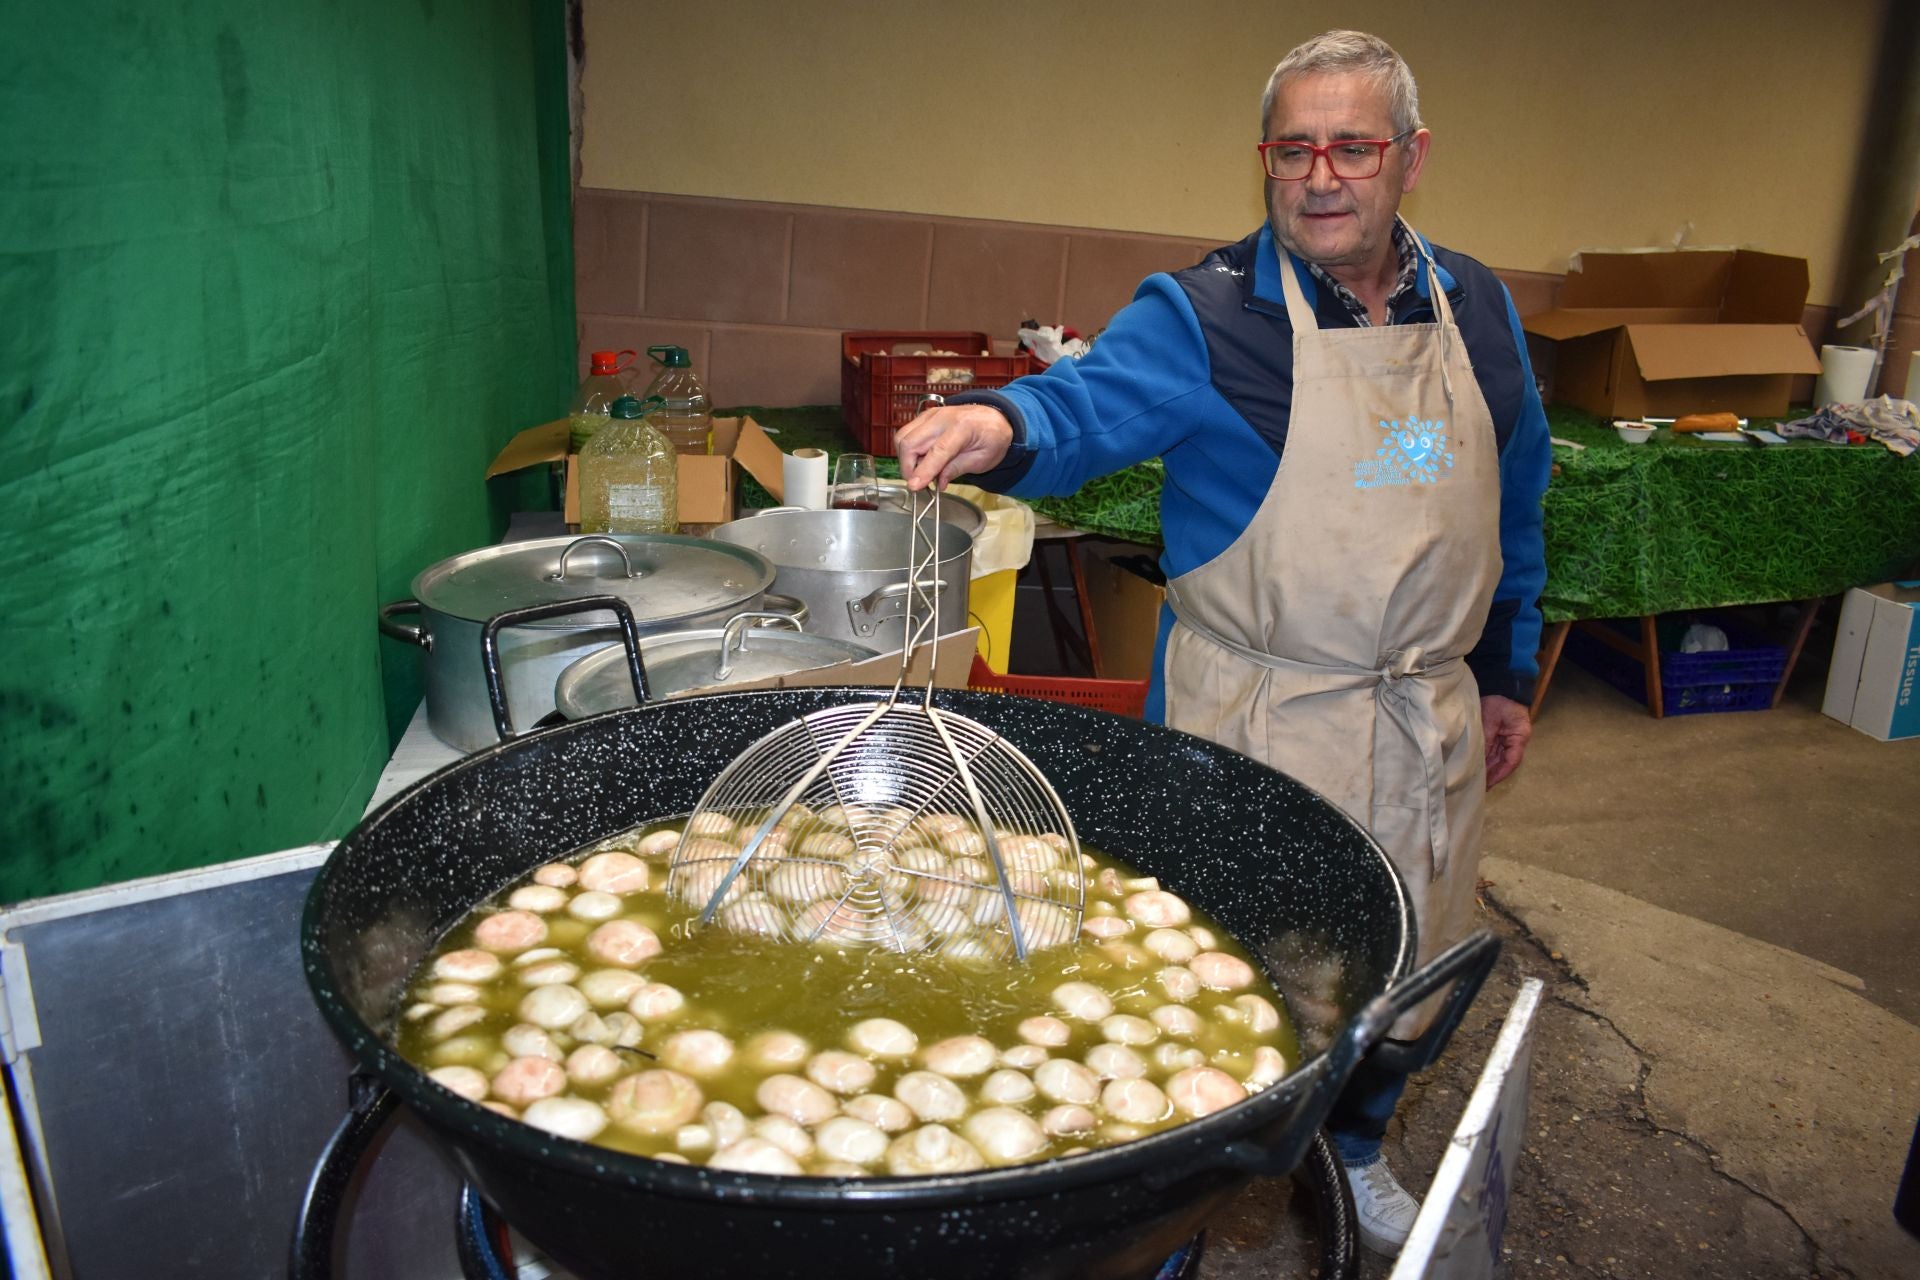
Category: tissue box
[1876,656]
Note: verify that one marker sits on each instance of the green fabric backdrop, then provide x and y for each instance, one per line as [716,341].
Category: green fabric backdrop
[276,281]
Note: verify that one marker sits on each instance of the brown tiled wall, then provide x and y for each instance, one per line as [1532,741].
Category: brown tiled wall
[759,293]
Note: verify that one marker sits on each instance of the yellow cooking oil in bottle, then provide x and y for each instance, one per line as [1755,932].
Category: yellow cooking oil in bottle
[629,475]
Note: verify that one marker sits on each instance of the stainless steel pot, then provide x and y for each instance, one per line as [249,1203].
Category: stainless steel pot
[668,581]
[850,569]
[891,495]
[752,646]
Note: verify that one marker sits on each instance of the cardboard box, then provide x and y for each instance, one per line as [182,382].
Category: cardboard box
[1876,662]
[1126,607]
[1678,331]
[706,481]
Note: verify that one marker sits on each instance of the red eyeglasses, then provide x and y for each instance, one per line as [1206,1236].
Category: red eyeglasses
[1292,161]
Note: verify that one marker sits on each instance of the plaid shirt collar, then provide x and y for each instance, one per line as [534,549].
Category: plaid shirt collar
[1409,266]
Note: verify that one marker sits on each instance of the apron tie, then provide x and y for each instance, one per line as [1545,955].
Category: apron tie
[1400,698]
[1403,690]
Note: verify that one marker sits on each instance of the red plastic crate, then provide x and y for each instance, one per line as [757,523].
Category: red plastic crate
[885,374]
[1121,697]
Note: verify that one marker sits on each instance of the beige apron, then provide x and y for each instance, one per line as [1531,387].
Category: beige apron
[1328,640]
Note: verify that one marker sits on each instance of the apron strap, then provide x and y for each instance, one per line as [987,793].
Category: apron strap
[1301,316]
[1403,689]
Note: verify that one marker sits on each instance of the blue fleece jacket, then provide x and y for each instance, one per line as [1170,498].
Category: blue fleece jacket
[1197,370]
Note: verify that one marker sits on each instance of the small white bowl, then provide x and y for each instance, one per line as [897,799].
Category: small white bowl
[1634,432]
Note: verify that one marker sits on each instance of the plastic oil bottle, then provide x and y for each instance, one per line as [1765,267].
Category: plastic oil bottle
[606,382]
[686,417]
[629,474]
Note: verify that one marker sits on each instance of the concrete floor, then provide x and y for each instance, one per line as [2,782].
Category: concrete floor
[1727,1066]
[1782,825]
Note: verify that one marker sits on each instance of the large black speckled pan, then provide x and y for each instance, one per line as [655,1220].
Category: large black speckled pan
[1298,883]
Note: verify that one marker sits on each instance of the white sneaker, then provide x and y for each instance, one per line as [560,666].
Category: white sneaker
[1383,1207]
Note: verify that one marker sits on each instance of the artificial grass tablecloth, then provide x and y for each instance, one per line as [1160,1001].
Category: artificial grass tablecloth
[1673,524]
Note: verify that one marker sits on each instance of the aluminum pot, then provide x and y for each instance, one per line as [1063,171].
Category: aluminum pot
[752,646]
[670,582]
[850,569]
[1292,878]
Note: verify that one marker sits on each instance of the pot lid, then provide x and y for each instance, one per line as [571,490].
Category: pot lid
[662,577]
[678,662]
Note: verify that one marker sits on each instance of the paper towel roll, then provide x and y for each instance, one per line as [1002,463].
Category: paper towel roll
[804,472]
[1844,374]
[1912,392]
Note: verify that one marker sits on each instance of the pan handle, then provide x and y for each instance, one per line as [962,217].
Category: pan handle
[490,648]
[1463,967]
[410,635]
[370,1107]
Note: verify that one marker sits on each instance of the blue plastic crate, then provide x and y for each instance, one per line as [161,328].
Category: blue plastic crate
[1741,677]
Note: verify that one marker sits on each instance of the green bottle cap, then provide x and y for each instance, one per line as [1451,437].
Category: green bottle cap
[628,407]
[675,357]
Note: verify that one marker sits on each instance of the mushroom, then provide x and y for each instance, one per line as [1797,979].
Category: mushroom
[470,965]
[465,1081]
[1201,1091]
[799,1100]
[509,931]
[851,1139]
[840,1071]
[932,1149]
[1005,1135]
[754,1155]
[697,1052]
[931,1096]
[1136,1102]
[961,1057]
[613,872]
[883,1038]
[525,1080]
[568,1117]
[595,906]
[655,1101]
[889,1115]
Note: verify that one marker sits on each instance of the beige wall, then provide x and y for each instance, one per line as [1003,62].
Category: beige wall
[1557,126]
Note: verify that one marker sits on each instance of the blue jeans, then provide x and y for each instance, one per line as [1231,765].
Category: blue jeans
[1359,1117]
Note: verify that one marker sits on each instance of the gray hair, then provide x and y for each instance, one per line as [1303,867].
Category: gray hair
[1350,51]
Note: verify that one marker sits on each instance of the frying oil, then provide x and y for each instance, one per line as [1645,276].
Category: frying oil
[743,985]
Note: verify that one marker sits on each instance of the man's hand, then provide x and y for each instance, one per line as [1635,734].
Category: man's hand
[1507,726]
[950,441]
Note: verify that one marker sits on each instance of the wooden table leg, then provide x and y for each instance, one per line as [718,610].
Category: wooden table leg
[1556,640]
[1650,659]
[1809,610]
[1066,642]
[1086,609]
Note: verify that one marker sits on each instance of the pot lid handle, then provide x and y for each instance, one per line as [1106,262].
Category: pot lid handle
[734,639]
[560,572]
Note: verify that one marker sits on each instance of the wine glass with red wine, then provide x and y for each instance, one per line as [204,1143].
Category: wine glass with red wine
[856,483]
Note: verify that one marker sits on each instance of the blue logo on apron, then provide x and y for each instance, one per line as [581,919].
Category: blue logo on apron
[1411,453]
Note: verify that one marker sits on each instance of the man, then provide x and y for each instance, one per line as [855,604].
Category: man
[1355,456]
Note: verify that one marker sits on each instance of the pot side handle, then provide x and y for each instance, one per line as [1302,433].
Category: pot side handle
[490,648]
[370,1107]
[409,635]
[1464,967]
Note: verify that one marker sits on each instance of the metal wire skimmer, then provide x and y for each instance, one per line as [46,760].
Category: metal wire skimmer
[891,824]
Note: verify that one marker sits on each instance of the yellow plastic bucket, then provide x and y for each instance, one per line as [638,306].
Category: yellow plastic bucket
[990,607]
